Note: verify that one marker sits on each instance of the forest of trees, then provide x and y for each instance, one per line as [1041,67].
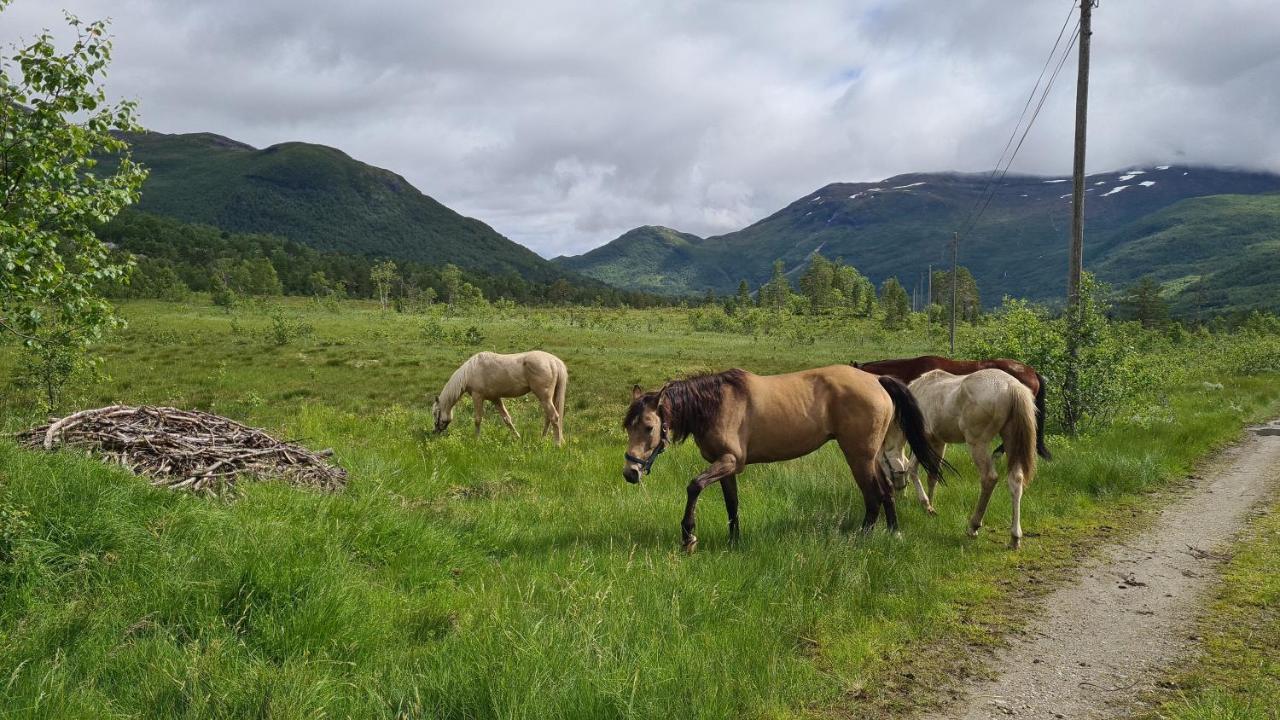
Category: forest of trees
[174,258]
[829,286]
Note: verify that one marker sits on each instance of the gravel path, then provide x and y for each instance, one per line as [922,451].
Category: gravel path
[1106,635]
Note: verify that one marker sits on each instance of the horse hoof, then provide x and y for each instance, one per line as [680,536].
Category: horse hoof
[691,544]
[973,532]
[929,509]
[1015,543]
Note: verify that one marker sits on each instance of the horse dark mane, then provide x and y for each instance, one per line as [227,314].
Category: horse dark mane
[689,405]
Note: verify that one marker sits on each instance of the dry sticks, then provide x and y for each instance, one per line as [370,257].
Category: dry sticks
[187,450]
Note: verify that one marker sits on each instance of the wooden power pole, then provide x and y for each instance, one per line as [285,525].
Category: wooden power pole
[1077,190]
[1071,385]
[955,250]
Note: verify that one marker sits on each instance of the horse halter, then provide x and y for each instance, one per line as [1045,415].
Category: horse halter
[664,440]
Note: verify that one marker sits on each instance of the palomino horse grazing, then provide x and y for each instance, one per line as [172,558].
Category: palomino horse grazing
[490,376]
[974,409]
[908,369]
[738,418]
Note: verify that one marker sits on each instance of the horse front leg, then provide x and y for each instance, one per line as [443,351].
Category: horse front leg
[506,417]
[477,404]
[726,465]
[914,471]
[939,449]
[729,485]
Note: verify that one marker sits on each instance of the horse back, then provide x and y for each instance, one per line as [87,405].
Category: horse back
[790,415]
[1020,371]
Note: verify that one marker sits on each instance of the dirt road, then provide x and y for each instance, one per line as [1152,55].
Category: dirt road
[1106,635]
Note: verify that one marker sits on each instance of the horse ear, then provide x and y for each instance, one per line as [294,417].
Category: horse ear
[636,392]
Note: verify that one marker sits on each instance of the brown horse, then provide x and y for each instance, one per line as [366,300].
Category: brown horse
[908,369]
[737,418]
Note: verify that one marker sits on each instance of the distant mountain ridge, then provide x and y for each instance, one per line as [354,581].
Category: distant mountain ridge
[321,197]
[902,225]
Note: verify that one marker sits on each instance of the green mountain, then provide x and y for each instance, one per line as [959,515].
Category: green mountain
[321,197]
[901,226]
[650,258]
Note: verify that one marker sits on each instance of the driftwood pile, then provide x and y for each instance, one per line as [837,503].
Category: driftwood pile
[187,450]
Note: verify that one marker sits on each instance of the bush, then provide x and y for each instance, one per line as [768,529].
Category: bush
[1112,373]
[283,329]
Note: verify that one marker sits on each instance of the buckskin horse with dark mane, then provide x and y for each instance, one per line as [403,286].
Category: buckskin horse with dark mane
[908,369]
[738,418]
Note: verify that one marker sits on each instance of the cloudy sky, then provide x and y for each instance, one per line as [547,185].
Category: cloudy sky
[563,123]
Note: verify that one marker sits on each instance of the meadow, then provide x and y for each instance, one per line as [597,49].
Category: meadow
[505,578]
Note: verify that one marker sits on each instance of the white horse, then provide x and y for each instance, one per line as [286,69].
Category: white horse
[974,409]
[491,376]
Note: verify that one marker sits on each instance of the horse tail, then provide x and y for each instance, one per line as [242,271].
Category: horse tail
[562,384]
[1041,449]
[911,421]
[1020,433]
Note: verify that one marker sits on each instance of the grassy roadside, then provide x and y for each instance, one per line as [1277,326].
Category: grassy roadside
[503,578]
[1235,674]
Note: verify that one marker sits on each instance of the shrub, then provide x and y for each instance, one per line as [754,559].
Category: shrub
[283,329]
[1112,373]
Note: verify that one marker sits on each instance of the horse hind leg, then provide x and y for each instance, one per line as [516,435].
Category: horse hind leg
[987,472]
[1014,477]
[550,416]
[876,491]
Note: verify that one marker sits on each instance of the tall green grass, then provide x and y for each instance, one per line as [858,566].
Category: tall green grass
[463,578]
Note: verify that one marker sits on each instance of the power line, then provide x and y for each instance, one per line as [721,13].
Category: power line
[1044,96]
[1030,96]
[992,184]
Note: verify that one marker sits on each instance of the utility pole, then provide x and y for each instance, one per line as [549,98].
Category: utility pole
[1071,384]
[1077,190]
[955,250]
[928,303]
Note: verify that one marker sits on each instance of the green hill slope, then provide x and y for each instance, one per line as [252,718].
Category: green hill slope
[650,258]
[320,197]
[1214,254]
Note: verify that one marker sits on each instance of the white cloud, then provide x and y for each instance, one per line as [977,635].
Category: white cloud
[564,123]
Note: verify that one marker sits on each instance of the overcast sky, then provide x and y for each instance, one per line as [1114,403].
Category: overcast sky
[564,123]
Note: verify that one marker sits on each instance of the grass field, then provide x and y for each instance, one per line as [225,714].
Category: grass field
[506,578]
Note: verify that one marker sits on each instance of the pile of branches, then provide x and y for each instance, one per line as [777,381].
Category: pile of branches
[187,450]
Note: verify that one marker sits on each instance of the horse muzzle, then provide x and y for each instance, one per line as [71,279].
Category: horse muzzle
[899,479]
[631,474]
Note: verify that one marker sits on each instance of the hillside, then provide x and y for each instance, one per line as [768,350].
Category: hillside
[1213,254]
[320,197]
[650,258]
[900,226]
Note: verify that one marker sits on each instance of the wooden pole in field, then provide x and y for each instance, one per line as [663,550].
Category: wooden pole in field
[1077,190]
[955,250]
[1071,384]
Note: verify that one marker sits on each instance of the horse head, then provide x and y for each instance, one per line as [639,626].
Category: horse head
[442,416]
[647,433]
